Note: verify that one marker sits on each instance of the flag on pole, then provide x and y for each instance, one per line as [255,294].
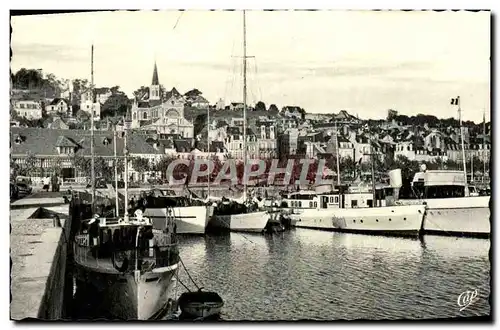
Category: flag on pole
[454,101]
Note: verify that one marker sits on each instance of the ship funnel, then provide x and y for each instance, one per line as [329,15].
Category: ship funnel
[395,178]
[396,181]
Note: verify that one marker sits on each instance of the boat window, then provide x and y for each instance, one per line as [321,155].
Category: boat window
[310,204]
[336,199]
[300,204]
[331,199]
[448,191]
[354,203]
[315,204]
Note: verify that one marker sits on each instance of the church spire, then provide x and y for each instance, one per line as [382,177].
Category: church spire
[155,81]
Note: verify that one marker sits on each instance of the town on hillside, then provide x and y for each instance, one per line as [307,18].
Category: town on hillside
[51,119]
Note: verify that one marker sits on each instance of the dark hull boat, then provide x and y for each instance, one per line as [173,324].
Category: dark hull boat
[200,305]
[132,266]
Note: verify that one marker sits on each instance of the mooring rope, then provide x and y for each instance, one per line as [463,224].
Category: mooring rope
[189,275]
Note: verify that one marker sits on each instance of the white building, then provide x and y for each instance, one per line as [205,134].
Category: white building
[28,108]
[59,106]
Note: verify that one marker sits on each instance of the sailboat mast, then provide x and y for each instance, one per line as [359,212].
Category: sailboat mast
[208,149]
[244,105]
[125,168]
[484,143]
[117,207]
[338,156]
[463,145]
[92,161]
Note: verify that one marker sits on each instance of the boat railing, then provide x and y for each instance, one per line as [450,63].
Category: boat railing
[105,257]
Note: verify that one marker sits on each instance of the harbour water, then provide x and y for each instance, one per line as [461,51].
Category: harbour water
[307,274]
[316,275]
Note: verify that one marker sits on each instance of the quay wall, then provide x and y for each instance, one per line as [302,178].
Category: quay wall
[39,259]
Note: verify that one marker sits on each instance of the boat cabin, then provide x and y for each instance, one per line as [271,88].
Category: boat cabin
[341,197]
[113,245]
[439,184]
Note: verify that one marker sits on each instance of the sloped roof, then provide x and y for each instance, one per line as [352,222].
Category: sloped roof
[58,123]
[155,81]
[57,100]
[43,142]
[63,141]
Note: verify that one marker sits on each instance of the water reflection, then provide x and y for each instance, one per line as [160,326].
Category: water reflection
[308,274]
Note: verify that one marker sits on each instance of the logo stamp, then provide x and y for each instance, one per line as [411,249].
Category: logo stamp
[466,298]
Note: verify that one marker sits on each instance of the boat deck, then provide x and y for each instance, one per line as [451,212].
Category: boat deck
[151,260]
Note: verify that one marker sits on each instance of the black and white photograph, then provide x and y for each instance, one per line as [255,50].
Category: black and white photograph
[251,165]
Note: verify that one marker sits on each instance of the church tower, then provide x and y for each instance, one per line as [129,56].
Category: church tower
[154,90]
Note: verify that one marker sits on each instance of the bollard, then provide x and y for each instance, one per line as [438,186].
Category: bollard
[56,222]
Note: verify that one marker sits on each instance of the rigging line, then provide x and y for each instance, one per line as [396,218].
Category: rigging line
[230,77]
[178,18]
[258,80]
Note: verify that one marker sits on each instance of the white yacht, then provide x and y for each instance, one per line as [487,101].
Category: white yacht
[449,210]
[353,212]
[191,216]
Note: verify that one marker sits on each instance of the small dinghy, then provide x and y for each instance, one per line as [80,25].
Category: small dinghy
[200,304]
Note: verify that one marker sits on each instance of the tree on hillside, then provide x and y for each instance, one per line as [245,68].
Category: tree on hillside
[260,106]
[80,86]
[143,90]
[273,108]
[193,93]
[116,105]
[199,123]
[27,79]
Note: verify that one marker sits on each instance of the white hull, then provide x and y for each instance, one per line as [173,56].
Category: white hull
[188,219]
[128,298]
[396,220]
[245,222]
[456,216]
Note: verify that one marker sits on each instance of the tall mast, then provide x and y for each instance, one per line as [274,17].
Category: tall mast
[338,157]
[92,166]
[463,145]
[208,149]
[244,105]
[373,180]
[484,143]
[117,207]
[125,168]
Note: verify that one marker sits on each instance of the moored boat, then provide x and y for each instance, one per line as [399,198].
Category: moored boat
[191,216]
[232,216]
[449,210]
[200,304]
[131,264]
[329,211]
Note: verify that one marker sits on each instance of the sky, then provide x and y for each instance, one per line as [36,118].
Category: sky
[365,62]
